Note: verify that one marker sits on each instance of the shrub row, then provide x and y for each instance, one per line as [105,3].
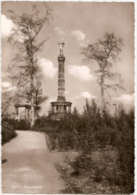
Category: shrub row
[7,132]
[18,125]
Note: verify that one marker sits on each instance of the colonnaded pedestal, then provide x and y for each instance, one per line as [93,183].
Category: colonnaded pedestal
[61,107]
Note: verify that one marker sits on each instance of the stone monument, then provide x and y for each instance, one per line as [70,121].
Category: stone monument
[61,107]
[23,110]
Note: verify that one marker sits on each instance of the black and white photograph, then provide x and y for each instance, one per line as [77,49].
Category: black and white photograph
[67,97]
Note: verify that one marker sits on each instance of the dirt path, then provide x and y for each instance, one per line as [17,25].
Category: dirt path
[30,166]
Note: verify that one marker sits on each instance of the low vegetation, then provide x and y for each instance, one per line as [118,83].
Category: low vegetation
[104,145]
[9,126]
[18,125]
[7,132]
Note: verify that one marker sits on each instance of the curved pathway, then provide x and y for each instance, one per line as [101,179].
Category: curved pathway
[30,166]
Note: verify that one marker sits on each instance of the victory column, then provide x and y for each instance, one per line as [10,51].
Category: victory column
[61,107]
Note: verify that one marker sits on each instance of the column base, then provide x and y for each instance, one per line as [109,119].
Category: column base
[62,108]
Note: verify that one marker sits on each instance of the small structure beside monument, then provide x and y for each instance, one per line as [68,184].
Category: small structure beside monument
[23,111]
[61,107]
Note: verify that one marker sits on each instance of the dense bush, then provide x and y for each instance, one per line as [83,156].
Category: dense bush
[9,126]
[48,126]
[18,125]
[7,132]
[125,147]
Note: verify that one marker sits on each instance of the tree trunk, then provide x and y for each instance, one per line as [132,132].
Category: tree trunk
[32,89]
[102,94]
[32,102]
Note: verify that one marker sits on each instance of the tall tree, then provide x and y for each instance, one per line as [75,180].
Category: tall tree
[105,53]
[24,35]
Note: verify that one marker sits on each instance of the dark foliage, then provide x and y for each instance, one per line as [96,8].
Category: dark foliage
[48,126]
[7,132]
[18,125]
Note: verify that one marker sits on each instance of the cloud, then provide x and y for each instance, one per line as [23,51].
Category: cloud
[47,67]
[80,72]
[6,26]
[84,43]
[126,98]
[59,31]
[84,94]
[79,35]
[6,86]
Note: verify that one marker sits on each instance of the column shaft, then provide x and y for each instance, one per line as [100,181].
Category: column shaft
[61,78]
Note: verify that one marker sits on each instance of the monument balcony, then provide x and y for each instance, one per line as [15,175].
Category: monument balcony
[61,58]
[61,103]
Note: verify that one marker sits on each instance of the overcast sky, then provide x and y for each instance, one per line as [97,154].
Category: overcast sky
[78,23]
